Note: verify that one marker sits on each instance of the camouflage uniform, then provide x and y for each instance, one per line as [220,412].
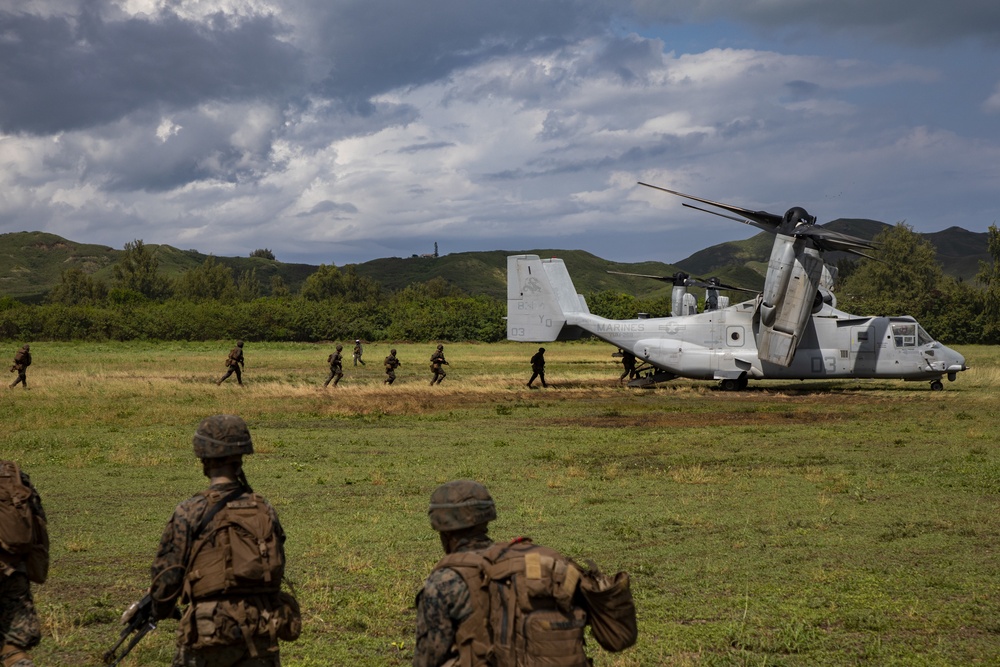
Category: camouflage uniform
[235,359]
[628,361]
[442,605]
[391,364]
[437,361]
[223,636]
[336,367]
[460,509]
[19,622]
[22,359]
[210,632]
[357,353]
[538,367]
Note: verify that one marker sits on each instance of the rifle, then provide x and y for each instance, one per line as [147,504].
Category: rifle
[138,619]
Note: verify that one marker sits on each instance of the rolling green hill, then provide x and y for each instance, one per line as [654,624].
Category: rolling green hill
[31,263]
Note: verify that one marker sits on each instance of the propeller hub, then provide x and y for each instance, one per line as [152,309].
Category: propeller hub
[796,216]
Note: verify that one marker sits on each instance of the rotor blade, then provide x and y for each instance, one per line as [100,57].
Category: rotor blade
[720,286]
[771,220]
[643,275]
[731,217]
[827,239]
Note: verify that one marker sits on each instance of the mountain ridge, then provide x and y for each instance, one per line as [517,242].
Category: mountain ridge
[31,263]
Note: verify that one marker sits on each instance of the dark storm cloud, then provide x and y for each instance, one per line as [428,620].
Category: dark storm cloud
[912,22]
[62,73]
[327,206]
[802,89]
[430,146]
[379,45]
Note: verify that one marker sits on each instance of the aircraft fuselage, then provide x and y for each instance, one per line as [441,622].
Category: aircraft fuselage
[722,344]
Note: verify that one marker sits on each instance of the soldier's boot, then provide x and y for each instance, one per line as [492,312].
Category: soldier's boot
[15,656]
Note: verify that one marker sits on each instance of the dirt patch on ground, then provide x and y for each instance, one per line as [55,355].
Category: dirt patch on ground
[687,419]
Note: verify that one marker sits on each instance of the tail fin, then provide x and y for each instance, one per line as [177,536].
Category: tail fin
[540,297]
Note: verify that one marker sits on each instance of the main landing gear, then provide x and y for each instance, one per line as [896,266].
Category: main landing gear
[734,384]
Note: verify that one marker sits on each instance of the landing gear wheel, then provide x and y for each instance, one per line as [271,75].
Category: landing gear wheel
[729,384]
[937,385]
[743,382]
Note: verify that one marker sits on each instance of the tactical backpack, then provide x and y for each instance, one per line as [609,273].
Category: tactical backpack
[524,612]
[238,552]
[24,535]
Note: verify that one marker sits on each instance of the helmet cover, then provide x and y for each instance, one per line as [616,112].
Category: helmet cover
[461,503]
[221,436]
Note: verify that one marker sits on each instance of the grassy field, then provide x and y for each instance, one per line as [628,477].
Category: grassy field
[840,523]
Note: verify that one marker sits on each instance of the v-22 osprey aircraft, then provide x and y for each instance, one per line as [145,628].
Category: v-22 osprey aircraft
[791,331]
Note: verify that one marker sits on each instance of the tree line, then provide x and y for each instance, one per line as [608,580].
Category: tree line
[210,302]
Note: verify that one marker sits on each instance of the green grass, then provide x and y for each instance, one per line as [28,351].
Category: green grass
[833,523]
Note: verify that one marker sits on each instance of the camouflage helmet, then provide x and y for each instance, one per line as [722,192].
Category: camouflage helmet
[221,436]
[462,503]
[440,347]
[392,351]
[25,347]
[239,343]
[340,348]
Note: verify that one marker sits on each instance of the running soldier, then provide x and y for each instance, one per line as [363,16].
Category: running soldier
[538,367]
[358,351]
[24,558]
[628,361]
[234,362]
[22,359]
[473,610]
[437,361]
[336,367]
[222,554]
[391,364]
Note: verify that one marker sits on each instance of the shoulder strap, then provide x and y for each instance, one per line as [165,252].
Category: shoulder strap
[472,636]
[210,514]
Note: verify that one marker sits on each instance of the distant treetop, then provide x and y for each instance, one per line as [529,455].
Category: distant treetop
[262,252]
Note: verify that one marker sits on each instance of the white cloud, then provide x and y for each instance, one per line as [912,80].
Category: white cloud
[482,131]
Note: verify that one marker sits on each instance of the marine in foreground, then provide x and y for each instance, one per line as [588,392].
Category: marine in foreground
[222,555]
[24,559]
[510,604]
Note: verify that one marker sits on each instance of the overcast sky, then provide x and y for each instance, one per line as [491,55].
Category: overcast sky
[338,131]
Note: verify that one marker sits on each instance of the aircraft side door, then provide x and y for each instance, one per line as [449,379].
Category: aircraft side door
[862,350]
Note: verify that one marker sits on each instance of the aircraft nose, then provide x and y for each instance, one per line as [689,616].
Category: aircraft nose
[956,364]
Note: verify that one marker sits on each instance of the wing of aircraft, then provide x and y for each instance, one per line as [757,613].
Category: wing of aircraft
[794,271]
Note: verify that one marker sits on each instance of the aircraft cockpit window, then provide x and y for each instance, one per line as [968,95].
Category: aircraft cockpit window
[923,338]
[904,335]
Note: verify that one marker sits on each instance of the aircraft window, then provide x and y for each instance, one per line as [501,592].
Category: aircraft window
[863,335]
[735,336]
[904,335]
[923,338]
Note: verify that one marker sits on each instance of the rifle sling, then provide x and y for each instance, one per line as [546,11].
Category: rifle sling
[210,514]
